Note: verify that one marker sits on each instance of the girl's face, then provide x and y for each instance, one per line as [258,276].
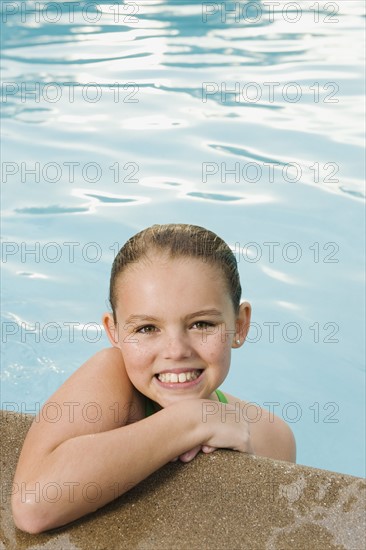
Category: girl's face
[175,328]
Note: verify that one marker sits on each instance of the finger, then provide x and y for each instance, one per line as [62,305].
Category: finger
[189,455]
[207,449]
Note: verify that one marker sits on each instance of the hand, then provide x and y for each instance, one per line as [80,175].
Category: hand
[190,455]
[226,427]
[221,427]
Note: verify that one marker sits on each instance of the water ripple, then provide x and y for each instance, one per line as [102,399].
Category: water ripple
[110,199]
[54,209]
[246,153]
[214,196]
[67,61]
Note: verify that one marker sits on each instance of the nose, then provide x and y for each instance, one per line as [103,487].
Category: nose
[177,347]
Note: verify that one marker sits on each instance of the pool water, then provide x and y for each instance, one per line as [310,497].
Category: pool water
[116,116]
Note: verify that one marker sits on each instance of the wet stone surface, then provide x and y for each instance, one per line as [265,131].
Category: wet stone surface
[223,500]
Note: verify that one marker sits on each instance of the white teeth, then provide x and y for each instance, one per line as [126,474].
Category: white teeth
[173,378]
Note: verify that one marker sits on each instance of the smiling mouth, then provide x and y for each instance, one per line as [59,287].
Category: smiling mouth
[175,378]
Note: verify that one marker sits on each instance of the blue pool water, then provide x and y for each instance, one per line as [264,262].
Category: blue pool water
[248,123]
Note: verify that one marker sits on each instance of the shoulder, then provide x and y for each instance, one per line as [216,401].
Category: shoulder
[97,397]
[103,375]
[271,436]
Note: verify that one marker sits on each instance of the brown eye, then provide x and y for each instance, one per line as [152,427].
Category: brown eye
[202,325]
[147,329]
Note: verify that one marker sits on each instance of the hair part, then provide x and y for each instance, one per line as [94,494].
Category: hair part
[178,241]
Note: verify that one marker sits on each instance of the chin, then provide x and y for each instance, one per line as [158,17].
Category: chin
[165,402]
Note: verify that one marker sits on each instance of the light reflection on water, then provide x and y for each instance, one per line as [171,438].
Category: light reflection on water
[157,140]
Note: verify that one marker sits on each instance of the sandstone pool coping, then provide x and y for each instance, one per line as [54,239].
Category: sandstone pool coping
[218,501]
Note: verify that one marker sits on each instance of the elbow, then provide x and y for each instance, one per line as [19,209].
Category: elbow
[293,448]
[27,516]
[287,441]
[277,441]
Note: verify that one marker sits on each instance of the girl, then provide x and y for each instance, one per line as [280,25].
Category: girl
[153,396]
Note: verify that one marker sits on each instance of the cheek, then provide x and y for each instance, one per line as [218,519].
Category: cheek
[133,354]
[137,364]
[215,348]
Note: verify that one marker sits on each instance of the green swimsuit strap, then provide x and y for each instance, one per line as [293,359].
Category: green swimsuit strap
[221,396]
[149,407]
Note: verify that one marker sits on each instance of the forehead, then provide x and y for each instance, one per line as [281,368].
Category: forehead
[160,282]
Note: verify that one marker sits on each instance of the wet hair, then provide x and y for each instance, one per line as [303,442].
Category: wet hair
[178,241]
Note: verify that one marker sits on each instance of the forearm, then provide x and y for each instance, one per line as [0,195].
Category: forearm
[86,472]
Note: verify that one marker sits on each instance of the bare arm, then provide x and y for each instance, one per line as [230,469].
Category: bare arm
[270,436]
[267,434]
[74,466]
[88,471]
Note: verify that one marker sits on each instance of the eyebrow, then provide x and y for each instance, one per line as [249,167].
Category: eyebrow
[201,313]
